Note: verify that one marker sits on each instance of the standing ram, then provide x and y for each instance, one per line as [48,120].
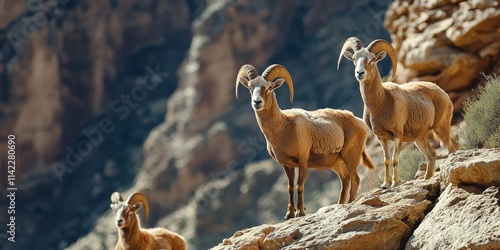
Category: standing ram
[399,112]
[322,139]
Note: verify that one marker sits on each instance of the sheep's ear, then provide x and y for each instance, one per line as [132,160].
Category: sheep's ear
[277,83]
[114,206]
[348,55]
[137,206]
[379,56]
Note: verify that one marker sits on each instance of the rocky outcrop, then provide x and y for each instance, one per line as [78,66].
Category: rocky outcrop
[464,217]
[446,42]
[380,219]
[414,215]
[474,167]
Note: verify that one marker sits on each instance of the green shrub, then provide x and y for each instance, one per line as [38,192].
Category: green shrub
[409,162]
[482,117]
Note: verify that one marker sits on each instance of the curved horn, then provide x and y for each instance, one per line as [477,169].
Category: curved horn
[352,43]
[138,197]
[246,71]
[383,45]
[274,71]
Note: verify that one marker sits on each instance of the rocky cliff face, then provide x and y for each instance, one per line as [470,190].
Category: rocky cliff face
[419,214]
[83,85]
[446,42]
[61,63]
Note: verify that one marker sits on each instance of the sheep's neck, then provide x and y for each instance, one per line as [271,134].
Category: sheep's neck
[271,121]
[130,236]
[373,93]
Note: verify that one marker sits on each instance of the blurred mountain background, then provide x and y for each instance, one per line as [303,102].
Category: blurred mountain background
[138,96]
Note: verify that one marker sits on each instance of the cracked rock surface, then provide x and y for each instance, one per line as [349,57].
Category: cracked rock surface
[414,215]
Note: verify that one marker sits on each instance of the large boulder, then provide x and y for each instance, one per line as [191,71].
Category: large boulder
[463,218]
[472,167]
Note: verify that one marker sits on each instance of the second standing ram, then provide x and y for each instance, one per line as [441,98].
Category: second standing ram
[399,112]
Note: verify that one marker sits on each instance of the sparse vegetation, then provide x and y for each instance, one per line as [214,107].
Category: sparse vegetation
[481,127]
[409,162]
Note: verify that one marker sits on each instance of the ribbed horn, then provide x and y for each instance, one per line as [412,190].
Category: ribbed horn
[248,72]
[274,71]
[382,45]
[138,197]
[352,43]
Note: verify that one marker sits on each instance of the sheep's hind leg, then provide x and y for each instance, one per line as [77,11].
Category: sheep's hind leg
[387,162]
[430,156]
[354,186]
[398,145]
[300,190]
[345,181]
[290,173]
[351,156]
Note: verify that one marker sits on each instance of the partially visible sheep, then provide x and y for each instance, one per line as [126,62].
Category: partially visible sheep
[323,139]
[130,233]
[401,113]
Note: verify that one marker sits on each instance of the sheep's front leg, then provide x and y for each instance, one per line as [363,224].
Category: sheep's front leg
[290,173]
[387,162]
[395,160]
[300,189]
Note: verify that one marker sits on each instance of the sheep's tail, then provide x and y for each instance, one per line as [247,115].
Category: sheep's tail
[452,145]
[367,161]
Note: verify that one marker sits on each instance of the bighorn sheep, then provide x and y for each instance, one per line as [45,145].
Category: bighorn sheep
[400,113]
[130,233]
[322,139]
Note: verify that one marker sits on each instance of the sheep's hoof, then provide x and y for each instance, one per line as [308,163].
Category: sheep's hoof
[395,183]
[300,214]
[289,216]
[428,176]
[385,185]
